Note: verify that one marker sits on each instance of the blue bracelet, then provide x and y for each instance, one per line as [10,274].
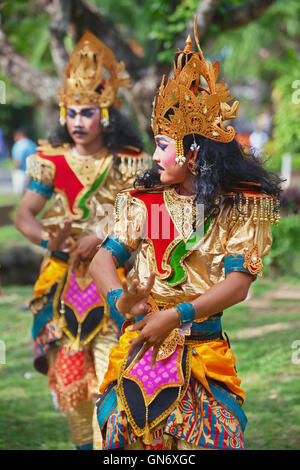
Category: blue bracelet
[118,249]
[186,312]
[116,316]
[44,243]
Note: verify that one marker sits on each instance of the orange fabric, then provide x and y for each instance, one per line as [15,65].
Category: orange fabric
[116,357]
[121,273]
[72,377]
[49,276]
[213,359]
[70,367]
[216,361]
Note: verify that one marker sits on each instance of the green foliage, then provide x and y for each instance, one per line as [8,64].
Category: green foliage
[29,33]
[266,52]
[286,98]
[284,257]
[167,24]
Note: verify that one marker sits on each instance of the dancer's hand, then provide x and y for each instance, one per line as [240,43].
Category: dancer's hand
[60,239]
[154,329]
[133,300]
[84,250]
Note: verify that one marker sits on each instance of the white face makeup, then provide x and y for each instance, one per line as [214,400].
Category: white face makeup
[83,123]
[164,156]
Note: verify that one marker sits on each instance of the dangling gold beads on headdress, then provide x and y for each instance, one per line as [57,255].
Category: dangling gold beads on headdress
[92,76]
[192,102]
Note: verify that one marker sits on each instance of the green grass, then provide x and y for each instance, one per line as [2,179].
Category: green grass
[28,419]
[264,364]
[269,377]
[10,236]
[9,199]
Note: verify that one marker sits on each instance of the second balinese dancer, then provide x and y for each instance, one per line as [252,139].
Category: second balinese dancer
[94,155]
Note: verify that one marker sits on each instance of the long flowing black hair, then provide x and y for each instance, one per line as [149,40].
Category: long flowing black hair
[221,167]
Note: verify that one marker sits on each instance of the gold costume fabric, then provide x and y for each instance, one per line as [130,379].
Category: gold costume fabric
[235,239]
[94,182]
[204,263]
[71,343]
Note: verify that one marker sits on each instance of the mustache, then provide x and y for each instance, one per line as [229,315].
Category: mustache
[79,131]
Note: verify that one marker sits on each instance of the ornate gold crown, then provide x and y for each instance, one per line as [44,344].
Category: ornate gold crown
[186,106]
[92,66]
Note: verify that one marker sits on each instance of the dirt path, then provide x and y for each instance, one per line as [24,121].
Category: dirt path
[270,303]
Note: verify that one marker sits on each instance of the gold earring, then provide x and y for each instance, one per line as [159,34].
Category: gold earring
[180,158]
[192,168]
[62,115]
[104,117]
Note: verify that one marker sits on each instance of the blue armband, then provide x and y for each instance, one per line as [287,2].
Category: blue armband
[234,263]
[41,188]
[186,312]
[118,249]
[116,316]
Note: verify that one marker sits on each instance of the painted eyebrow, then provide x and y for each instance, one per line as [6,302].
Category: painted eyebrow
[82,110]
[158,139]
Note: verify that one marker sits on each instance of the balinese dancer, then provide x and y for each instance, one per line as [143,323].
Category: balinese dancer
[81,169]
[172,382]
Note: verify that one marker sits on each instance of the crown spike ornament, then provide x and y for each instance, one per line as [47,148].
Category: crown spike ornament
[193,101]
[92,76]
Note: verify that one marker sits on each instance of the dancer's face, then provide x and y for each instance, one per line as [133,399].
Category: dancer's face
[83,123]
[164,156]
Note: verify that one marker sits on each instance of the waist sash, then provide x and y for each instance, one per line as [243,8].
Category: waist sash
[148,395]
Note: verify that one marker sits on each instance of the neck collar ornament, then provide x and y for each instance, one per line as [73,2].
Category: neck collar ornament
[92,76]
[192,101]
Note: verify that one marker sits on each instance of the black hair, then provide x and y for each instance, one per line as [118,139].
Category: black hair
[221,167]
[22,130]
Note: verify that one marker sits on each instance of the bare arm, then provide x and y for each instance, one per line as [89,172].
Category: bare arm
[133,299]
[104,272]
[231,291]
[25,220]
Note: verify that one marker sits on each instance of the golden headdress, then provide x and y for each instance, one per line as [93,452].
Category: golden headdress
[186,106]
[92,76]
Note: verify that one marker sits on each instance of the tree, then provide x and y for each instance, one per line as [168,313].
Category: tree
[58,23]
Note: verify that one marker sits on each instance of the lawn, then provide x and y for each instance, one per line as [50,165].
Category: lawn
[28,419]
[262,332]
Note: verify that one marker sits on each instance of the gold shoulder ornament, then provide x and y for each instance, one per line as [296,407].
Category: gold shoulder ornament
[265,210]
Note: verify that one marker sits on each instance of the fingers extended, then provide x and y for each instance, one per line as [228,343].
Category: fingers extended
[134,287]
[154,355]
[142,351]
[150,282]
[125,286]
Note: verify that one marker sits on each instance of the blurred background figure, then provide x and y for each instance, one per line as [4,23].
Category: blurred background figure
[261,133]
[3,147]
[23,147]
